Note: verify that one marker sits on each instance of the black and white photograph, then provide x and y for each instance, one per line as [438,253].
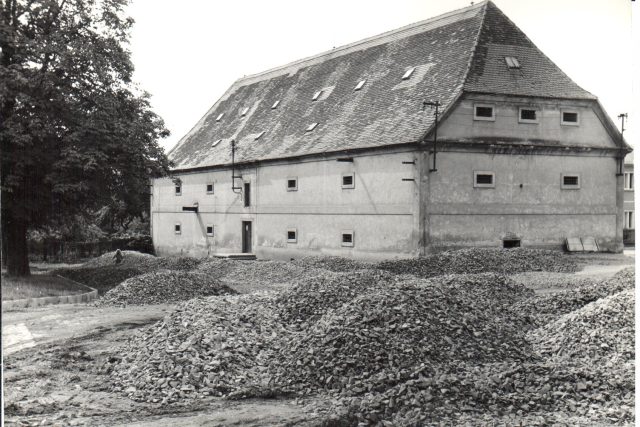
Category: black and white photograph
[323,214]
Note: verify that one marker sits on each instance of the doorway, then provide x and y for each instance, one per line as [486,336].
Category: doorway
[246,237]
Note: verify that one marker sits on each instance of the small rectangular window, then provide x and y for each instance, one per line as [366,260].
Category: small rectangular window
[570,118]
[629,222]
[178,190]
[219,117]
[209,230]
[628,180]
[244,112]
[570,181]
[528,115]
[292,183]
[512,62]
[275,105]
[483,112]
[177,228]
[210,188]
[247,194]
[484,179]
[348,181]
[347,238]
[360,85]
[292,235]
[407,74]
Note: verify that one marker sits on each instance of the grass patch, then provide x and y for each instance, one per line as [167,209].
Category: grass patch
[37,286]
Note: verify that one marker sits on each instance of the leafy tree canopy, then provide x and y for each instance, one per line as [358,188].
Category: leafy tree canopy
[76,134]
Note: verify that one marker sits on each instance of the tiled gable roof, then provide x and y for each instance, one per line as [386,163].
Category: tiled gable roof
[457,51]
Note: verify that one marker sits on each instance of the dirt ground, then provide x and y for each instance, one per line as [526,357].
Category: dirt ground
[52,357]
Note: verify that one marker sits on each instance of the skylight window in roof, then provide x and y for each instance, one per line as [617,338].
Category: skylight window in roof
[360,84]
[216,143]
[258,136]
[512,62]
[311,127]
[275,105]
[408,73]
[244,112]
[219,117]
[316,95]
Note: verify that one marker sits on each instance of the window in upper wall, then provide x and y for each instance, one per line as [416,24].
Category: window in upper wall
[570,181]
[210,188]
[209,230]
[292,183]
[484,112]
[177,228]
[528,115]
[347,238]
[628,180]
[348,180]
[247,194]
[571,118]
[178,189]
[292,235]
[484,179]
[629,220]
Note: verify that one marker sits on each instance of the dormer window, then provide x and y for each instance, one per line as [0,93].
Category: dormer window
[512,62]
[244,112]
[316,95]
[219,117]
[408,73]
[275,105]
[360,85]
[216,143]
[311,127]
[258,136]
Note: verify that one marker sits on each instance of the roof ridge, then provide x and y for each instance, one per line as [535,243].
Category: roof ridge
[475,44]
[410,29]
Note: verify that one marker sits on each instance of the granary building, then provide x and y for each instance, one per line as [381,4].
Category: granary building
[341,153]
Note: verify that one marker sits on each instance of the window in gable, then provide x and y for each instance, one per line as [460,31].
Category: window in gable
[311,127]
[512,62]
[210,188]
[244,112]
[571,118]
[219,117]
[360,84]
[484,179]
[528,115]
[275,105]
[484,112]
[407,74]
[570,182]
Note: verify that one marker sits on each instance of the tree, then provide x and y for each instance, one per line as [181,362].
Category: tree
[75,133]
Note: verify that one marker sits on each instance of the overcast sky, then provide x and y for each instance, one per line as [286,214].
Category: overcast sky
[188,52]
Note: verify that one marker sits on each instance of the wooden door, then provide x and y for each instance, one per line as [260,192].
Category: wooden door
[246,237]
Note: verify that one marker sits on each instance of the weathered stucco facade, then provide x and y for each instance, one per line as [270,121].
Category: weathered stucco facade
[340,156]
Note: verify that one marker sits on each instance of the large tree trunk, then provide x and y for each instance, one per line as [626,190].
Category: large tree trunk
[17,250]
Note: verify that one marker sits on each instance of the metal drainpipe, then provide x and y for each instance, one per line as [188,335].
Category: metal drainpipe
[435,104]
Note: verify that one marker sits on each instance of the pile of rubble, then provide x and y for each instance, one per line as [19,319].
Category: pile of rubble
[165,286]
[207,347]
[482,260]
[101,278]
[331,263]
[129,259]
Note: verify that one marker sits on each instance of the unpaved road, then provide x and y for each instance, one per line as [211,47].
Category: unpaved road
[53,357]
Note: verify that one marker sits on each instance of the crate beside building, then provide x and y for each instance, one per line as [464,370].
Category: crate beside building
[341,154]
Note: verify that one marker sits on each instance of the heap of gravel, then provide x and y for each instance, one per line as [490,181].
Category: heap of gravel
[129,259]
[165,286]
[482,260]
[332,263]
